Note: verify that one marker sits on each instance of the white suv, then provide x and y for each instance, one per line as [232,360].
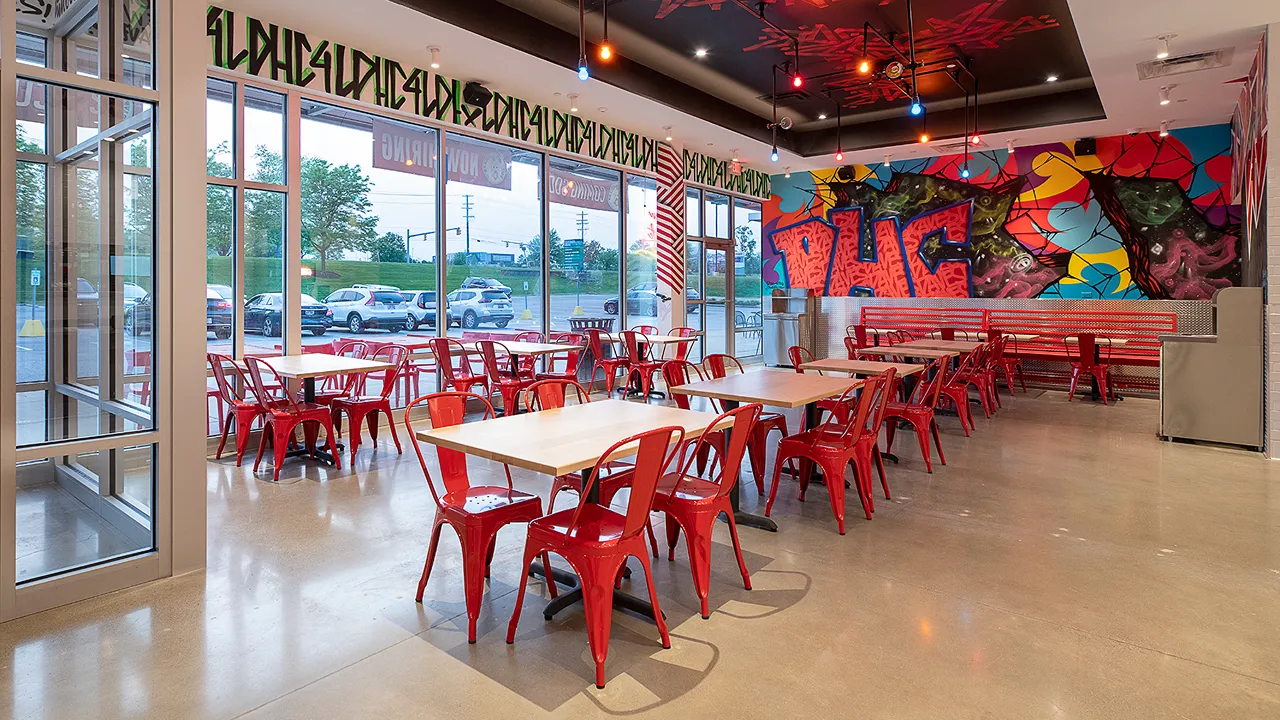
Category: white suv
[471,307]
[365,308]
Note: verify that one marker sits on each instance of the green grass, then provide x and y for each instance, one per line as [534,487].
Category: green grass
[266,275]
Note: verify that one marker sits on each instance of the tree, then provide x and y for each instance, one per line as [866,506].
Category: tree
[30,199]
[531,252]
[388,248]
[748,249]
[597,257]
[335,210]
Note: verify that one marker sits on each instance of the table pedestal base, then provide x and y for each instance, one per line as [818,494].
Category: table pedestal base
[621,600]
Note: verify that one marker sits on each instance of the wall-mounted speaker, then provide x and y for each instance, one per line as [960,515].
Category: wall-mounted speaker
[1086,146]
[476,94]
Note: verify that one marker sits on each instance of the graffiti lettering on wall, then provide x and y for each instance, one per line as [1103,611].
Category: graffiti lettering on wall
[704,170]
[1142,217]
[286,55]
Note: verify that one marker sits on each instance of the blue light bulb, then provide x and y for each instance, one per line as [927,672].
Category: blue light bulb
[917,108]
[774,155]
[964,173]
[583,73]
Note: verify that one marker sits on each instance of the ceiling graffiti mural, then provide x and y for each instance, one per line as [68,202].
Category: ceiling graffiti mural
[1140,216]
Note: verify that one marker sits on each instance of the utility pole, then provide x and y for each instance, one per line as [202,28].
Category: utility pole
[467,207]
[583,222]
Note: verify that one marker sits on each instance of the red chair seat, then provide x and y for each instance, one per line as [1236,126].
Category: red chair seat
[486,499]
[597,525]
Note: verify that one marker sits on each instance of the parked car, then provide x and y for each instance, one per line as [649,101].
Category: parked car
[469,308]
[137,316]
[86,302]
[133,293]
[264,313]
[422,307]
[639,302]
[360,309]
[479,283]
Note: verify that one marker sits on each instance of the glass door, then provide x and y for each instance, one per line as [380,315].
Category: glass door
[718,306]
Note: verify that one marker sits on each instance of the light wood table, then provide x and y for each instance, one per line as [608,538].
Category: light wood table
[963,346]
[776,389]
[309,366]
[566,440]
[862,367]
[1095,392]
[904,351]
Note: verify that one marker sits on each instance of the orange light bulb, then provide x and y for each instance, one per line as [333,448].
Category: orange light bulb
[606,52]
[924,137]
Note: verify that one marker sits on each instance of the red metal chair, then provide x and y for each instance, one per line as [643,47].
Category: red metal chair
[640,362]
[597,541]
[981,373]
[140,360]
[867,449]
[646,329]
[570,358]
[283,418]
[858,334]
[475,512]
[919,411]
[460,377]
[1088,360]
[833,445]
[360,407]
[682,349]
[693,504]
[528,363]
[717,365]
[244,411]
[498,361]
[333,387]
[799,355]
[597,339]
[955,390]
[1010,365]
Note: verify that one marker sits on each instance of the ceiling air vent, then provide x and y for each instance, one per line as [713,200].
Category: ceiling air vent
[786,97]
[1183,64]
[955,148]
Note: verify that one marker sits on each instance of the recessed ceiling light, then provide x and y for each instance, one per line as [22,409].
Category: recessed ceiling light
[603,109]
[822,116]
[700,53]
[1051,78]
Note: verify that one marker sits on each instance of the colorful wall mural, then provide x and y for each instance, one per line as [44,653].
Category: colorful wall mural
[1142,216]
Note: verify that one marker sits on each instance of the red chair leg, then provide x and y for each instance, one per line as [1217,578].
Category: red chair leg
[773,484]
[835,490]
[332,443]
[673,535]
[431,555]
[653,600]
[597,576]
[737,549]
[699,562]
[937,440]
[922,435]
[475,551]
[226,428]
[262,445]
[391,422]
[280,439]
[1075,378]
[879,461]
[755,452]
[1101,378]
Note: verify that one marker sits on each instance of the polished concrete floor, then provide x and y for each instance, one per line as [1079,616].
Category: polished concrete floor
[1064,564]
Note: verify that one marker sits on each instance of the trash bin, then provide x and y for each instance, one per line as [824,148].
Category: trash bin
[582,324]
[588,359]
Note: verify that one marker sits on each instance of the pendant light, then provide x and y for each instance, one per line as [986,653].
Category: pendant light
[606,50]
[584,73]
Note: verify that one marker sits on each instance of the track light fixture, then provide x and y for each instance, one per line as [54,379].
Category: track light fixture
[786,172]
[1008,145]
[667,130]
[573,102]
[887,161]
[435,56]
[1162,46]
[1164,129]
[1164,96]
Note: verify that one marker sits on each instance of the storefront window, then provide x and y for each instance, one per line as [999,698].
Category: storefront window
[693,212]
[746,286]
[494,245]
[643,303]
[586,240]
[715,216]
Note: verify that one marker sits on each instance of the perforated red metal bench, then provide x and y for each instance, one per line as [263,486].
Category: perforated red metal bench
[924,320]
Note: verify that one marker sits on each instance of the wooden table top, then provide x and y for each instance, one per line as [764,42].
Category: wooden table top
[569,439]
[311,365]
[963,346]
[862,367]
[770,387]
[668,339]
[903,350]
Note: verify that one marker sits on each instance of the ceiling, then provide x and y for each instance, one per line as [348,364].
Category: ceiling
[512,48]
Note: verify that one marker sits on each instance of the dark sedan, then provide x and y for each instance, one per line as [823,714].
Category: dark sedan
[264,313]
[137,315]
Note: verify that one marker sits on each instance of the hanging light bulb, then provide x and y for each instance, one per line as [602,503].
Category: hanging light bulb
[606,52]
[964,172]
[797,81]
[975,139]
[917,107]
[774,155]
[584,74]
[924,137]
[435,57]
[864,67]
[839,156]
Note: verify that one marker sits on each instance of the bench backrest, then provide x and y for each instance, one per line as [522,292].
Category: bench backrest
[1141,330]
[921,320]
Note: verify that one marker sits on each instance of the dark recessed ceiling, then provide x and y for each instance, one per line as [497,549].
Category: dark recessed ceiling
[1011,46]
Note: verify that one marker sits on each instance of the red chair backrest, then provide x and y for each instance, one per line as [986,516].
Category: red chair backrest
[851,427]
[676,373]
[256,366]
[529,336]
[570,358]
[717,364]
[446,409]
[646,329]
[395,355]
[682,349]
[656,449]
[799,355]
[856,333]
[492,353]
[444,350]
[226,389]
[633,340]
[928,390]
[884,389]
[596,341]
[744,421]
[1086,346]
[550,394]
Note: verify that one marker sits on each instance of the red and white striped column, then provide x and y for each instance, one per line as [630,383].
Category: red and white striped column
[671,236]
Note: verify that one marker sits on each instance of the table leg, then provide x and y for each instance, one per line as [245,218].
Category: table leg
[1095,392]
[735,493]
[621,600]
[309,395]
